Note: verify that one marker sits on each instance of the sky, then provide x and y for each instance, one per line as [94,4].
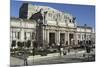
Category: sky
[85,14]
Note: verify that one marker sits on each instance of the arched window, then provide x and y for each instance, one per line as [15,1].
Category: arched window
[18,35]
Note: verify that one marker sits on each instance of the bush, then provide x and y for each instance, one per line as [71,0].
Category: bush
[28,44]
[43,54]
[20,44]
[39,52]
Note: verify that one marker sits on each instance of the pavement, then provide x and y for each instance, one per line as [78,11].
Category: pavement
[16,61]
[71,57]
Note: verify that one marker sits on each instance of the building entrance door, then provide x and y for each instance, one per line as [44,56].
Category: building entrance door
[62,38]
[71,37]
[51,38]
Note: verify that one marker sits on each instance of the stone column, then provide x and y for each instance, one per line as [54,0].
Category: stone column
[22,35]
[75,38]
[57,37]
[11,36]
[47,36]
[68,38]
[31,39]
[44,34]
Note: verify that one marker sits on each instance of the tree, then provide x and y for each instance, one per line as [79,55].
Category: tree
[35,45]
[20,44]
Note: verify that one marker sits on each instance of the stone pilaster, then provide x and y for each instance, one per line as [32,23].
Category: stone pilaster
[57,37]
[68,38]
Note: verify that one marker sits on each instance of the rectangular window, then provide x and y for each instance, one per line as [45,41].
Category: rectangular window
[25,35]
[13,35]
[18,35]
[85,36]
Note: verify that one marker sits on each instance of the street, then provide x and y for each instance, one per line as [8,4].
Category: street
[63,59]
[69,58]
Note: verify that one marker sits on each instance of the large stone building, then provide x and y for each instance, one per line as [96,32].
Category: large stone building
[48,27]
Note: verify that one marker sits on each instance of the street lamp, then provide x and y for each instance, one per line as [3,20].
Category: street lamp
[86,43]
[85,34]
[85,38]
[86,46]
[23,42]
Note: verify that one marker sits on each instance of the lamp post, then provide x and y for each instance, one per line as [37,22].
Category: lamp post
[87,48]
[23,42]
[85,36]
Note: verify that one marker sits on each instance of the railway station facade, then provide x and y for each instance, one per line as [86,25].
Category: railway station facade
[48,27]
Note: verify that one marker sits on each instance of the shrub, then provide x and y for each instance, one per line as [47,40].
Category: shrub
[28,44]
[20,44]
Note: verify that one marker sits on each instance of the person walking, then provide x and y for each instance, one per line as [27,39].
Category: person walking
[25,58]
[61,48]
[25,62]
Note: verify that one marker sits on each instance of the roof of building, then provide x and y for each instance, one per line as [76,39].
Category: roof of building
[84,27]
[19,19]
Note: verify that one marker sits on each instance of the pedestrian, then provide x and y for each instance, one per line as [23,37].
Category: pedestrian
[25,62]
[68,49]
[58,46]
[64,51]
[61,47]
[25,58]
